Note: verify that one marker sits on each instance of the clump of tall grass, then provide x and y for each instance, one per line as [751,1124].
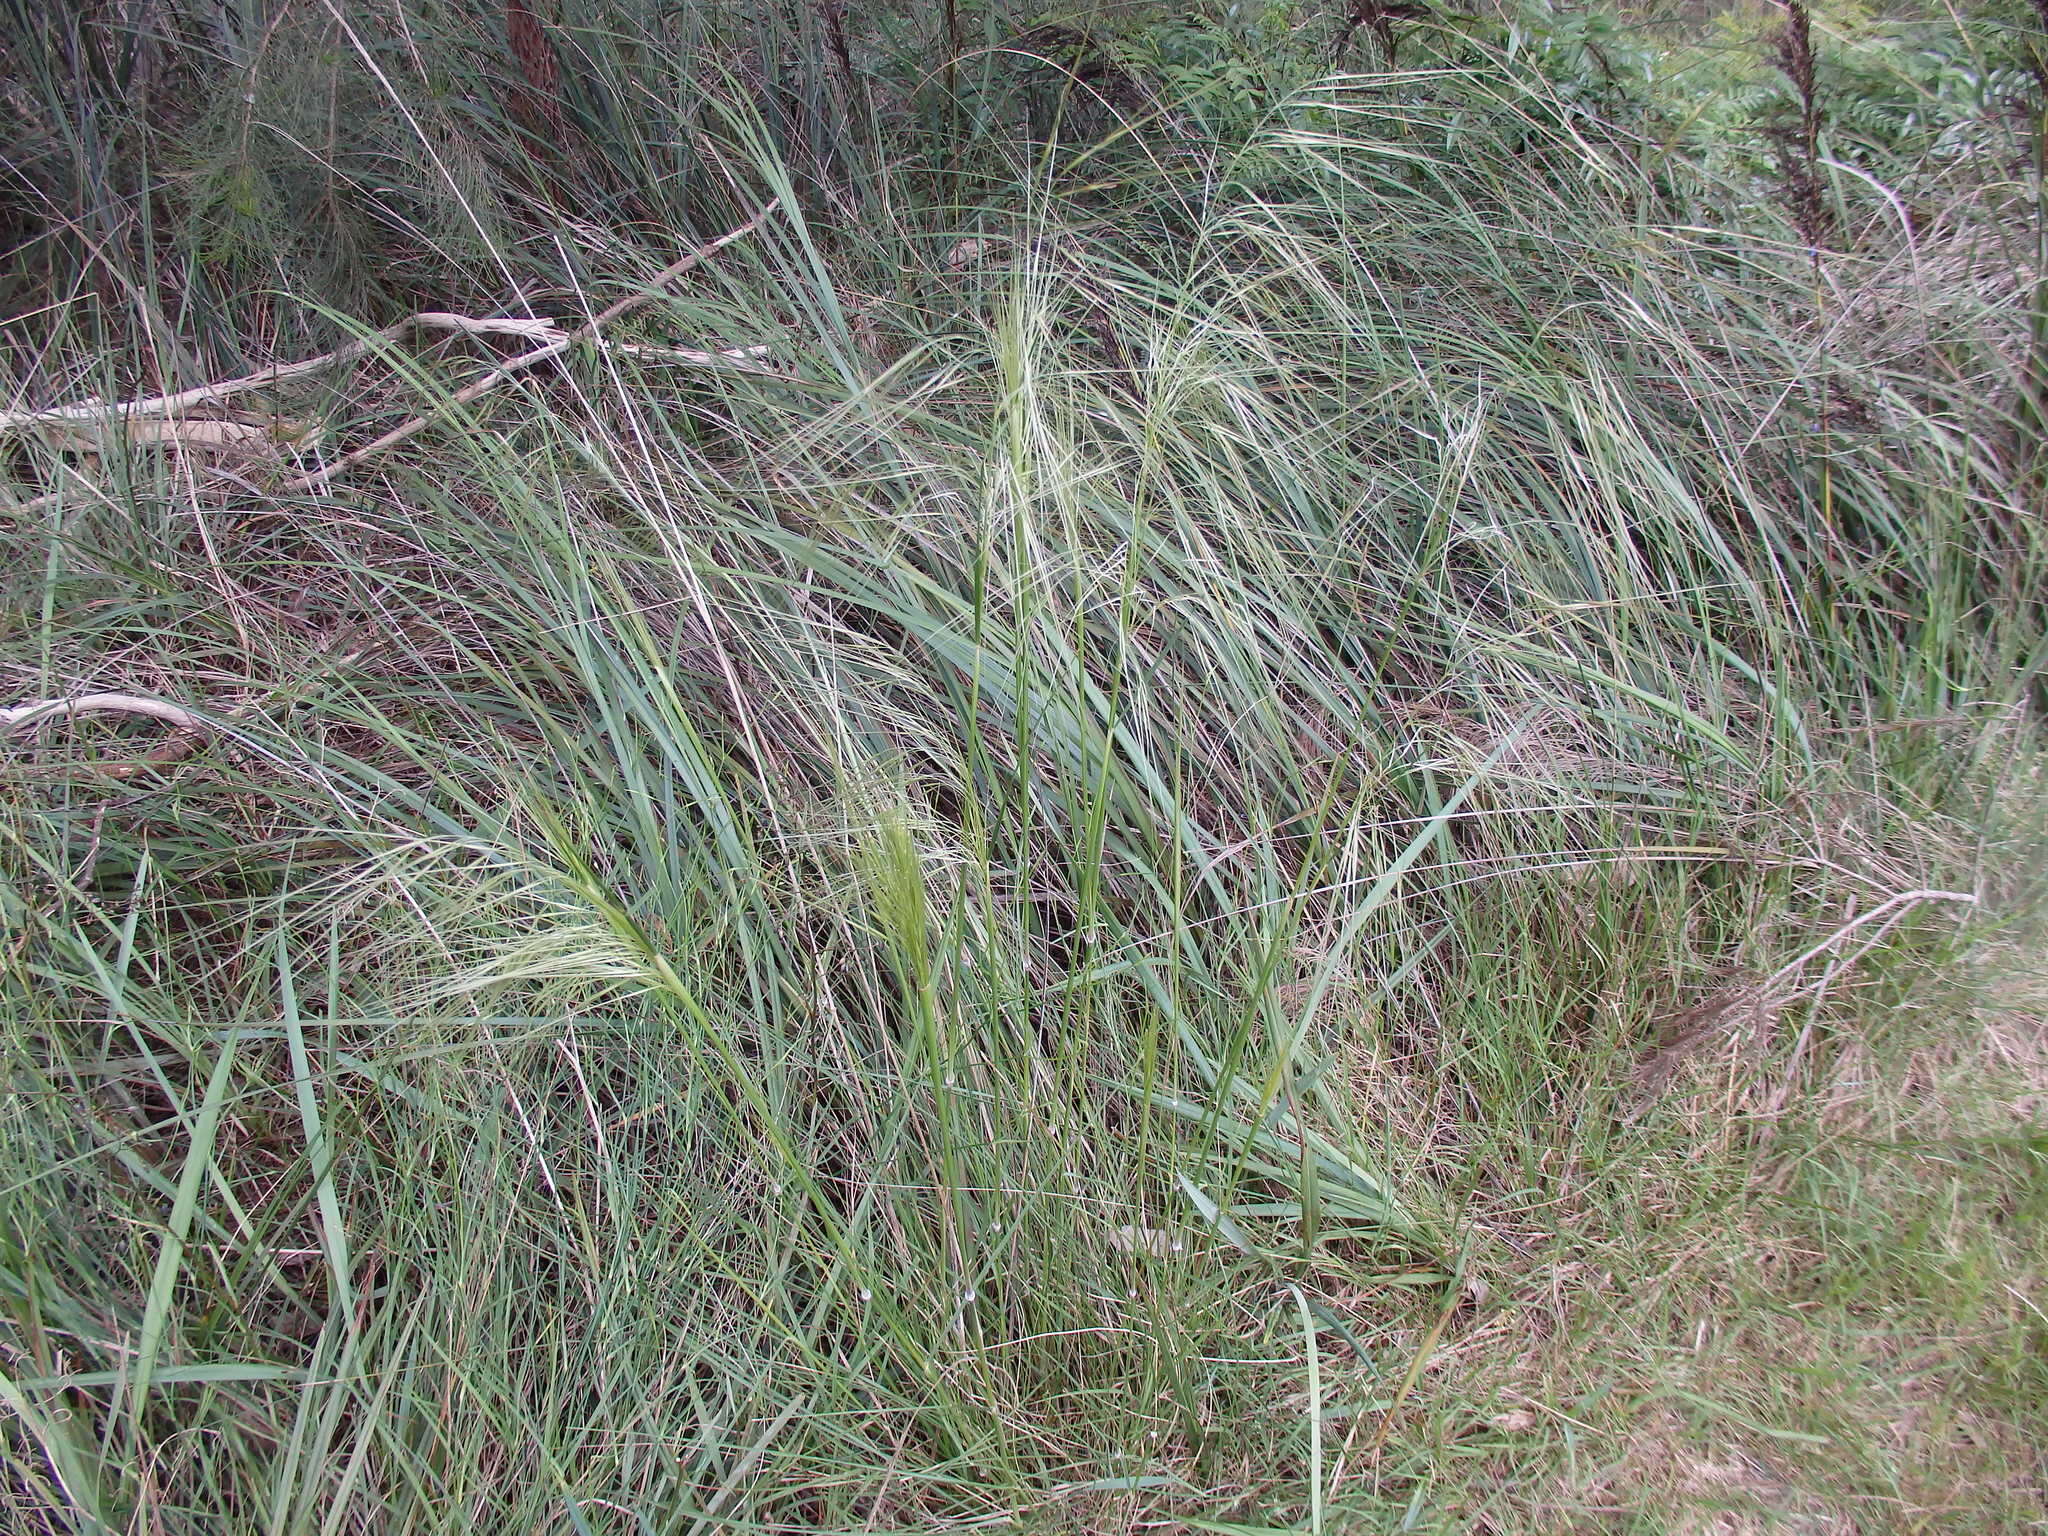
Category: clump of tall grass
[926,932]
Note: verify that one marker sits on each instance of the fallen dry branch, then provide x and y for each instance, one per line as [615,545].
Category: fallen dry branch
[190,729]
[158,407]
[505,370]
[1731,1009]
[1894,909]
[554,341]
[96,411]
[202,394]
[20,715]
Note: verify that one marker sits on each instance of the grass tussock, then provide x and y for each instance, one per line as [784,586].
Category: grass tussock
[1206,798]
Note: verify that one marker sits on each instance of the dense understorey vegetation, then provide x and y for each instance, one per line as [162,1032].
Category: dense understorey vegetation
[858,767]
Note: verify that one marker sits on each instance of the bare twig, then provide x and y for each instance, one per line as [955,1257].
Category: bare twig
[1687,1030]
[206,394]
[1906,899]
[321,477]
[13,719]
[545,331]
[190,729]
[1805,1036]
[555,341]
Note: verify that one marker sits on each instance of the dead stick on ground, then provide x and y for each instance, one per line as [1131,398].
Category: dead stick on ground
[191,730]
[1891,904]
[319,478]
[202,394]
[427,320]
[13,719]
